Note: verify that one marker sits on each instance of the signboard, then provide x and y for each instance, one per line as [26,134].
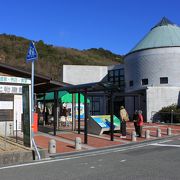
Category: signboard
[69,108]
[99,124]
[17,112]
[27,116]
[10,89]
[18,80]
[6,104]
[32,53]
[105,120]
[81,111]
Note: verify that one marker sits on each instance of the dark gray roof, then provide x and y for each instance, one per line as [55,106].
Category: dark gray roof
[164,22]
[41,83]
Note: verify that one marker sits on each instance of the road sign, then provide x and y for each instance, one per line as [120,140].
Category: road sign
[31,56]
[32,53]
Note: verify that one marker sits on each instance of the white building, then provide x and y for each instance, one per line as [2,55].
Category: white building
[83,74]
[152,69]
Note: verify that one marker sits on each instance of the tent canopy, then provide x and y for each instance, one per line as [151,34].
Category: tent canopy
[64,96]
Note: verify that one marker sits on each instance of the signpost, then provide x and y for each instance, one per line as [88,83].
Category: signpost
[101,123]
[32,55]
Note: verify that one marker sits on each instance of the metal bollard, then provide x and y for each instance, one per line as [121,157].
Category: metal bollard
[169,131]
[147,134]
[133,136]
[52,146]
[158,132]
[78,143]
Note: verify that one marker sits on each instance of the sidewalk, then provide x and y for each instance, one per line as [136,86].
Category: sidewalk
[65,141]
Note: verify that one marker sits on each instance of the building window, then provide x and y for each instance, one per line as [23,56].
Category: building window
[144,81]
[131,83]
[94,105]
[116,76]
[163,80]
[111,73]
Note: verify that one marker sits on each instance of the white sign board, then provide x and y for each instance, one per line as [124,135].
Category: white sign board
[10,89]
[6,104]
[15,80]
[18,111]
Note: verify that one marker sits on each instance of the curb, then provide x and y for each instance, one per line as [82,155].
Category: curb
[112,147]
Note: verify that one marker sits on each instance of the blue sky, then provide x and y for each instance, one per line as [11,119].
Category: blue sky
[116,25]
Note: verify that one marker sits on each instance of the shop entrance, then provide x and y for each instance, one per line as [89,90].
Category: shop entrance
[65,111]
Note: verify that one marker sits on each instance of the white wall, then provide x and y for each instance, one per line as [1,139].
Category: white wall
[117,66]
[158,97]
[152,64]
[79,74]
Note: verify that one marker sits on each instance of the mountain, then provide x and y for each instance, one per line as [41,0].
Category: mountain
[13,51]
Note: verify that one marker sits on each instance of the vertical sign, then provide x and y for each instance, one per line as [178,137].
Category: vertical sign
[32,55]
[17,112]
[27,115]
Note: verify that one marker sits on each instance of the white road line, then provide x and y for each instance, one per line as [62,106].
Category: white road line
[165,141]
[92,167]
[166,145]
[83,155]
[123,160]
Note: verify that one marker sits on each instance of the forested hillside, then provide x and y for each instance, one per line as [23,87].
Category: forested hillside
[13,51]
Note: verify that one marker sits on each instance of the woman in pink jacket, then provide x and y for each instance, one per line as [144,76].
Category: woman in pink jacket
[139,123]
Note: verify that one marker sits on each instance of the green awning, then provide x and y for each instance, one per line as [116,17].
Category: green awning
[64,96]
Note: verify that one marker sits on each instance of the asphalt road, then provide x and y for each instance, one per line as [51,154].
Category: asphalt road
[156,161]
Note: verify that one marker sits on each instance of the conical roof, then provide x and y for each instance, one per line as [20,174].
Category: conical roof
[163,34]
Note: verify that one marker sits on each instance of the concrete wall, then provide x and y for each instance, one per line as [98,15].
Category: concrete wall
[117,66]
[79,74]
[152,64]
[153,100]
[16,157]
[158,97]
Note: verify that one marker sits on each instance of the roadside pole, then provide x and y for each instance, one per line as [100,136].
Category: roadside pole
[32,55]
[32,103]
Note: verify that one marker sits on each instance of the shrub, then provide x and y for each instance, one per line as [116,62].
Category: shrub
[170,112]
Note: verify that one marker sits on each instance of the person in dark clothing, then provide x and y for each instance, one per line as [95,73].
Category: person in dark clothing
[64,111]
[135,120]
